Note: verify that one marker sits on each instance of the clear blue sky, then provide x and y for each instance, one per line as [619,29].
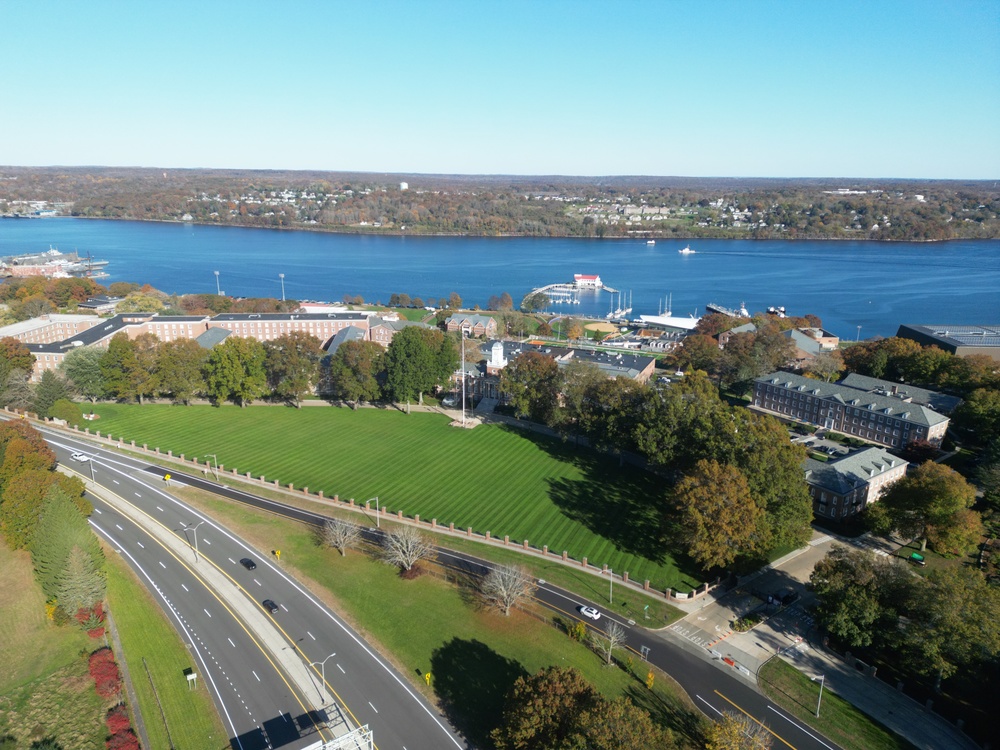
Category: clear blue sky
[814,88]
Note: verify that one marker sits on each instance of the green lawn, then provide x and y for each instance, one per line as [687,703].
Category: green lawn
[839,720]
[45,689]
[146,634]
[429,624]
[491,478]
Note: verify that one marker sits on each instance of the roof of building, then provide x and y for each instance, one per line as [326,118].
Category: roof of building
[472,319]
[350,333]
[804,343]
[670,321]
[100,301]
[41,321]
[239,317]
[612,364]
[852,471]
[940,402]
[212,337]
[958,336]
[855,397]
[397,325]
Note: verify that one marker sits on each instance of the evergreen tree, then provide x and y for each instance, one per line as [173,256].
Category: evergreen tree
[81,584]
[50,389]
[61,527]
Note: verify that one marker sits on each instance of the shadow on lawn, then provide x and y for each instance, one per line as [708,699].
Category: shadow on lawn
[472,681]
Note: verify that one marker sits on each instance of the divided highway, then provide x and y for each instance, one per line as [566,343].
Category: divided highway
[372,691]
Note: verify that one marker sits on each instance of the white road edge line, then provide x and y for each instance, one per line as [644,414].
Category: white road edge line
[709,705]
[796,724]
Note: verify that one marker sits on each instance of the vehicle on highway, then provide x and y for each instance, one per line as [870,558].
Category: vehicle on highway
[81,457]
[247,563]
[270,606]
[590,612]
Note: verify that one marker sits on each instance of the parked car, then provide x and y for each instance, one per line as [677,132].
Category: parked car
[247,563]
[270,606]
[449,401]
[81,457]
[590,612]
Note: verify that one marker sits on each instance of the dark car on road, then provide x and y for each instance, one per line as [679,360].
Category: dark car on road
[270,606]
[249,564]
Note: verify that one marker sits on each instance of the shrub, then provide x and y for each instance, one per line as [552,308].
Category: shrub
[107,678]
[123,741]
[577,631]
[66,410]
[117,719]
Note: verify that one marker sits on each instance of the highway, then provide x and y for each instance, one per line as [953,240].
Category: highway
[248,675]
[714,690]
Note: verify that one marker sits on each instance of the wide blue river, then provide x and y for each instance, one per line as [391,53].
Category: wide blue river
[874,285]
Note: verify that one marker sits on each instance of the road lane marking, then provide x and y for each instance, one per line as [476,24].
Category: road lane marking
[256,675]
[162,565]
[185,588]
[794,723]
[373,707]
[231,560]
[99,511]
[256,581]
[116,481]
[206,541]
[207,612]
[709,705]
[755,719]
[141,545]
[231,642]
[137,494]
[310,635]
[159,509]
[341,668]
[117,526]
[283,607]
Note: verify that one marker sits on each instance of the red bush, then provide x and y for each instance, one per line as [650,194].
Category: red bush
[96,633]
[107,678]
[117,719]
[101,656]
[125,740]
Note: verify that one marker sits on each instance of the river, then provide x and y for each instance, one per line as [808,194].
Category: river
[874,285]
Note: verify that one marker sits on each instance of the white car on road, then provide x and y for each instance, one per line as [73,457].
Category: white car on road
[81,457]
[590,612]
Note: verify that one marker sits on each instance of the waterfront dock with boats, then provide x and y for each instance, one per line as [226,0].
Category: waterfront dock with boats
[52,264]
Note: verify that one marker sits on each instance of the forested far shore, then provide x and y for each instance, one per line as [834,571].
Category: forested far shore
[680,208]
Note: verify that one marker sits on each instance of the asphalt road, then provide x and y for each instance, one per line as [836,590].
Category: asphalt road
[261,706]
[714,687]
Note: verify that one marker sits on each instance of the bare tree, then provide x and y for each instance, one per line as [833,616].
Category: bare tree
[340,534]
[406,547]
[606,644]
[18,393]
[505,586]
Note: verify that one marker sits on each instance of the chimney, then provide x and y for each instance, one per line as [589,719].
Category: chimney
[894,389]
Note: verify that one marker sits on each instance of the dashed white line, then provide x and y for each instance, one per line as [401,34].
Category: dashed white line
[207,612]
[341,668]
[141,545]
[159,509]
[231,560]
[256,675]
[119,527]
[185,588]
[99,511]
[256,581]
[206,541]
[116,481]
[162,565]
[283,607]
[231,642]
[373,707]
[137,494]
[310,635]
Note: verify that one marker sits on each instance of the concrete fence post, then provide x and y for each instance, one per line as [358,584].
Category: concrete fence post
[320,493]
[434,523]
[451,527]
[305,490]
[583,562]
[368,504]
[506,541]
[625,577]
[291,486]
[645,585]
[143,445]
[487,536]
[468,531]
[399,515]
[565,555]
[221,467]
[545,549]
[182,457]
[416,519]
[351,502]
[87,430]
[98,433]
[336,498]
[524,544]
[605,568]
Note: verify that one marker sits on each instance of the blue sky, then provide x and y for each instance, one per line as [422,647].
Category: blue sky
[813,88]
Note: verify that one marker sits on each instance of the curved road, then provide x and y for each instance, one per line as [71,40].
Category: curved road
[715,690]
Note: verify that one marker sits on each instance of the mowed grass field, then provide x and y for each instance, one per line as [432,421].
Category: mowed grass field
[490,478]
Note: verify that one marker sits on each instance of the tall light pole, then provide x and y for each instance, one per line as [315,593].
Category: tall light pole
[216,461]
[859,334]
[322,672]
[195,530]
[91,462]
[218,291]
[282,277]
[611,587]
[822,681]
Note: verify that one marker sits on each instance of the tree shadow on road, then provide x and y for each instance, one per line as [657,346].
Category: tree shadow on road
[472,681]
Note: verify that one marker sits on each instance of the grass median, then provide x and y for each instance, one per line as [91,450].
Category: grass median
[150,641]
[491,478]
[841,722]
[473,653]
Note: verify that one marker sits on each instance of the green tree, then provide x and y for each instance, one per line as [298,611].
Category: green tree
[962,533]
[143,372]
[50,389]
[531,382]
[67,411]
[579,381]
[22,502]
[980,415]
[234,371]
[719,519]
[292,365]
[542,709]
[414,363]
[81,584]
[955,622]
[118,364]
[609,418]
[861,596]
[699,352]
[826,365]
[138,302]
[354,371]
[82,367]
[61,527]
[179,367]
[930,496]
[534,302]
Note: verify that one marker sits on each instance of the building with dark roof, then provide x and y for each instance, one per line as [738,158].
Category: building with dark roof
[939,402]
[962,341]
[885,420]
[842,488]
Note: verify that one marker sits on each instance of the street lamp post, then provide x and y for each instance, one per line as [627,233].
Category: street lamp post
[215,460]
[218,291]
[91,462]
[195,530]
[822,681]
[322,671]
[282,277]
[611,586]
[859,334]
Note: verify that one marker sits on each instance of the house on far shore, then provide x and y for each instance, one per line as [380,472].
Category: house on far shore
[474,326]
[843,488]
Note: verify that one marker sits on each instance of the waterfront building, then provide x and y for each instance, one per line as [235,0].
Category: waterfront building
[961,341]
[844,487]
[885,420]
[476,326]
